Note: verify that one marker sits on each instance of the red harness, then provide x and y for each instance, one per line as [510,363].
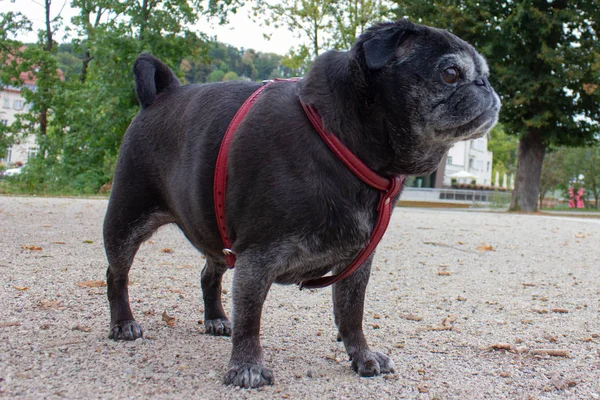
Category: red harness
[389,188]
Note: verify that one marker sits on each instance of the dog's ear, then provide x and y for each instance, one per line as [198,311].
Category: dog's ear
[385,44]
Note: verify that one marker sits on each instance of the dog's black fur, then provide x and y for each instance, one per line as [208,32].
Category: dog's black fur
[294,212]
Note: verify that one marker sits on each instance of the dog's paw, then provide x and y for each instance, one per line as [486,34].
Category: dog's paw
[126,330]
[371,363]
[249,376]
[217,327]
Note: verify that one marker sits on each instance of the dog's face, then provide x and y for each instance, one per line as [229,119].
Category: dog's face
[433,87]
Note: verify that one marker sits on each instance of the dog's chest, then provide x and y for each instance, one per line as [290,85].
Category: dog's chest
[314,252]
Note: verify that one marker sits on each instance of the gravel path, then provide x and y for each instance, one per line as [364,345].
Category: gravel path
[446,286]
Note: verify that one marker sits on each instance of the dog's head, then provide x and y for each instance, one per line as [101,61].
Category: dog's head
[431,86]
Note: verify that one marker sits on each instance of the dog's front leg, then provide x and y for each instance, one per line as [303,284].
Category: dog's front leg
[250,288]
[348,307]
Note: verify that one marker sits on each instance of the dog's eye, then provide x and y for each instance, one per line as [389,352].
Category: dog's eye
[451,75]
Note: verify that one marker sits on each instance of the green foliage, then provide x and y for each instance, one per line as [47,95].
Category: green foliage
[86,86]
[554,173]
[231,76]
[504,147]
[216,76]
[206,66]
[322,25]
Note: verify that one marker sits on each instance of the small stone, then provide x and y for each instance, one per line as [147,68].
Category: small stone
[139,341]
[309,373]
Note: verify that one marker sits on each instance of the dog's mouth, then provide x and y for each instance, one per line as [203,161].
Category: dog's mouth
[478,126]
[474,128]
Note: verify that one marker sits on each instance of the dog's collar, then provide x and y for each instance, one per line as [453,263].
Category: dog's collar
[389,188]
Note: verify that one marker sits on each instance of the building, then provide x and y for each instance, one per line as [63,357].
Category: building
[12,103]
[473,157]
[470,158]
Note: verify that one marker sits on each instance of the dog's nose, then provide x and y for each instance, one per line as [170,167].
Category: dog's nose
[481,81]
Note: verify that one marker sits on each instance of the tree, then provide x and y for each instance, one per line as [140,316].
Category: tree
[545,62]
[310,20]
[554,173]
[231,76]
[351,18]
[504,147]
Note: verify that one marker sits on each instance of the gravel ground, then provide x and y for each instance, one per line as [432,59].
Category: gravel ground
[446,287]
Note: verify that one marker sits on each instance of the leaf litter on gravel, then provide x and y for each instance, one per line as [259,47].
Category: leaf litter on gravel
[92,283]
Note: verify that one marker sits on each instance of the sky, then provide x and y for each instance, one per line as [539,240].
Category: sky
[240,32]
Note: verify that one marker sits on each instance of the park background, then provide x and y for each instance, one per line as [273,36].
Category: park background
[67,65]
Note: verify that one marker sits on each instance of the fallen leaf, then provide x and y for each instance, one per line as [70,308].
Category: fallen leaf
[168,319]
[580,236]
[449,321]
[551,352]
[500,346]
[560,310]
[60,242]
[92,284]
[460,298]
[176,291]
[22,288]
[411,317]
[528,284]
[376,316]
[444,273]
[82,328]
[87,241]
[7,324]
[460,243]
[32,248]
[485,247]
[53,304]
[167,250]
[376,326]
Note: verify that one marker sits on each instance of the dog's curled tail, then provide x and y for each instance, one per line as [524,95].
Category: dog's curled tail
[152,76]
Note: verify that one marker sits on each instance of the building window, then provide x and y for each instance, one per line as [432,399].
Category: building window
[449,162]
[4,122]
[479,165]
[18,105]
[32,152]
[471,162]
[488,166]
[8,154]
[6,102]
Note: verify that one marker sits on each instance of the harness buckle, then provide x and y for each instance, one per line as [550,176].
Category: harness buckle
[228,252]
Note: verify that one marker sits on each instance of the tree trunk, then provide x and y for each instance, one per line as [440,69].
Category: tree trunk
[84,66]
[529,171]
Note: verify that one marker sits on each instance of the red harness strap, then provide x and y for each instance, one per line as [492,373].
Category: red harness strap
[220,184]
[389,188]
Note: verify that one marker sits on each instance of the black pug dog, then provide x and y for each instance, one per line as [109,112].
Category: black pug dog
[399,99]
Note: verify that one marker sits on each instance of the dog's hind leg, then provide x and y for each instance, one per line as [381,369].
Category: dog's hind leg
[348,306]
[130,219]
[215,320]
